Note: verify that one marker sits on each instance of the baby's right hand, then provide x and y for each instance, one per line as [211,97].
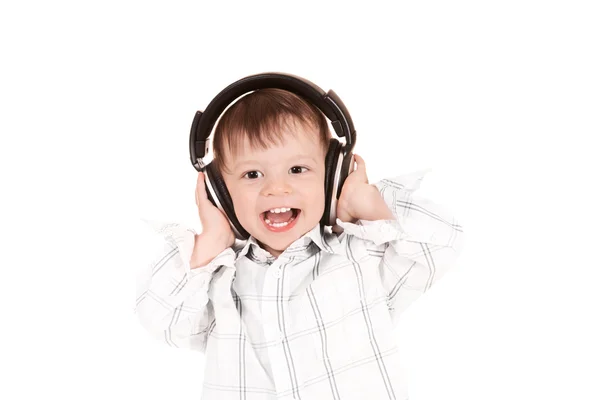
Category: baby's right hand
[214,222]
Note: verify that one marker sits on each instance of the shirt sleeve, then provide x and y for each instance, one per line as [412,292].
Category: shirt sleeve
[419,246]
[172,301]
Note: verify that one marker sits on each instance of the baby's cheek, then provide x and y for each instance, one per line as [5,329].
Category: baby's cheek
[243,203]
[316,200]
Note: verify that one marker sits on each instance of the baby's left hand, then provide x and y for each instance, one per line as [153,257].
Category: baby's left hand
[354,195]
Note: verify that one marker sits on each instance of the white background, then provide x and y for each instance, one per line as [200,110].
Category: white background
[500,99]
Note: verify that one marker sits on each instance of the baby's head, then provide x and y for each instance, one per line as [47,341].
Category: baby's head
[270,148]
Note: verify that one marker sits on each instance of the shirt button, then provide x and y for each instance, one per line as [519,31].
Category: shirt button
[277,273]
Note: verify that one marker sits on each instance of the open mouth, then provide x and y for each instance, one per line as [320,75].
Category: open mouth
[280,219]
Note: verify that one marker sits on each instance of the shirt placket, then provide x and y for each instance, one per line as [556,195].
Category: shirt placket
[274,287]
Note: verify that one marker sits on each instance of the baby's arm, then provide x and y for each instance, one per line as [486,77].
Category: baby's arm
[172,290]
[420,240]
[172,300]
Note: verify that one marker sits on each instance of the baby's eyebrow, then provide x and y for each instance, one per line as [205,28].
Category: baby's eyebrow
[243,164]
[302,158]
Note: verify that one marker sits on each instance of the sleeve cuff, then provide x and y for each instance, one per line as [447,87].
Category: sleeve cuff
[378,232]
[183,238]
[407,183]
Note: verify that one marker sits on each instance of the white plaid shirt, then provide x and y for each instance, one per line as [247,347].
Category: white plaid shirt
[315,323]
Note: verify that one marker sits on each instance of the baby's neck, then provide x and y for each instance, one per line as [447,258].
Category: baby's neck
[272,252]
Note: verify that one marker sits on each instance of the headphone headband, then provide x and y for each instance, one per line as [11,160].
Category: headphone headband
[329,103]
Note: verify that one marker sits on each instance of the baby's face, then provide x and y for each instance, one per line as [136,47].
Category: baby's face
[291,175]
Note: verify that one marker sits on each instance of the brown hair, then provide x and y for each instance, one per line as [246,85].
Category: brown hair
[259,117]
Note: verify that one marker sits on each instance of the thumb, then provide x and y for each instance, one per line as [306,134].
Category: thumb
[201,196]
[361,169]
[360,163]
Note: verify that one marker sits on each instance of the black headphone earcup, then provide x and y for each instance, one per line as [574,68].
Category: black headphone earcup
[331,161]
[218,194]
[344,172]
[337,169]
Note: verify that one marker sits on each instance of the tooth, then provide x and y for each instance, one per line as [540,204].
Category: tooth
[279,210]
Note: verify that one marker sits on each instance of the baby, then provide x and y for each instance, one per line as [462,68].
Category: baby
[296,311]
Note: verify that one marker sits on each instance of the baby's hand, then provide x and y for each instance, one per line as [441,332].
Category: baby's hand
[214,222]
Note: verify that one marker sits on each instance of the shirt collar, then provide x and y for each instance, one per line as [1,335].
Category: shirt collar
[322,238]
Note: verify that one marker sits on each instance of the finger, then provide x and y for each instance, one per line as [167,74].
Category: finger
[361,168]
[200,189]
[360,163]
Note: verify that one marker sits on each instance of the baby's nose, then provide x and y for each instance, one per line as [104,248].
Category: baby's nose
[277,187]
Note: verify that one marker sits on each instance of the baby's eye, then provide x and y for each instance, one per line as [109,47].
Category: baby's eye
[297,169]
[252,174]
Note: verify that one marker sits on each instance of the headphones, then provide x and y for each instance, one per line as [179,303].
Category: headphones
[338,160]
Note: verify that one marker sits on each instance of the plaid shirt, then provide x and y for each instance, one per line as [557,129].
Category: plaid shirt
[315,323]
